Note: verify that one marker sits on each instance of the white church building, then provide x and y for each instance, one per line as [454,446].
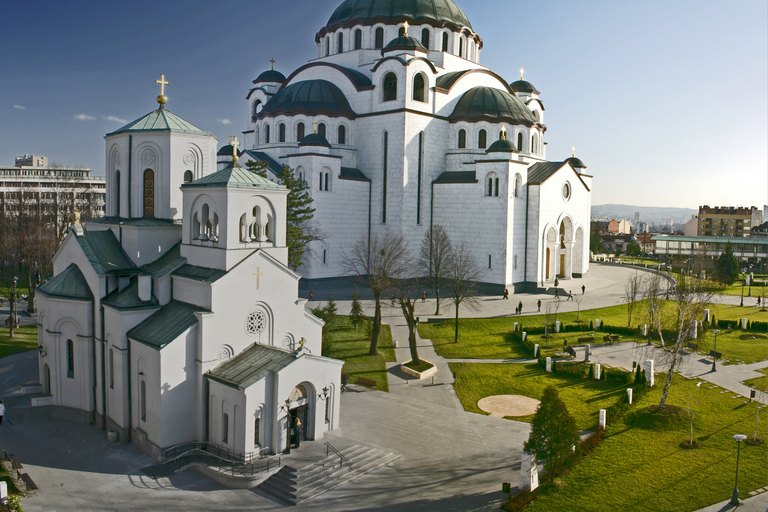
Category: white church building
[396,125]
[164,323]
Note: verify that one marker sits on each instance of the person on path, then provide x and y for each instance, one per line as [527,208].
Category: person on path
[758,302]
[538,305]
[570,295]
[310,295]
[520,308]
[423,296]
[297,431]
[517,310]
[2,412]
[583,289]
[557,293]
[506,294]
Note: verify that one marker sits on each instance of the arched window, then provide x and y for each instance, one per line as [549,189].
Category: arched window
[496,187]
[481,139]
[321,129]
[358,39]
[299,132]
[327,46]
[490,186]
[117,193]
[342,138]
[418,87]
[379,40]
[518,186]
[390,87]
[534,145]
[266,134]
[425,37]
[462,139]
[225,428]
[256,108]
[401,32]
[340,45]
[111,368]
[143,400]
[461,47]
[187,176]
[70,359]
[281,132]
[149,193]
[520,141]
[327,177]
[445,41]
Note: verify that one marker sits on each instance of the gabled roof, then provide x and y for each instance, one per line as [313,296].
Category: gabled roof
[541,171]
[205,274]
[161,120]
[251,365]
[166,324]
[273,165]
[165,263]
[349,173]
[128,298]
[68,284]
[234,176]
[104,252]
[457,177]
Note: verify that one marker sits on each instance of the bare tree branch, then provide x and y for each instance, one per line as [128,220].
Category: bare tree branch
[435,254]
[461,278]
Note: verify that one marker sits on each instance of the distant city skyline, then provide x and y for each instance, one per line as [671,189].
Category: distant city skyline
[665,102]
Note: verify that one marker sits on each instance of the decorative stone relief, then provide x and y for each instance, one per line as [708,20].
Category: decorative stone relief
[117,158]
[288,342]
[254,323]
[189,158]
[225,353]
[148,157]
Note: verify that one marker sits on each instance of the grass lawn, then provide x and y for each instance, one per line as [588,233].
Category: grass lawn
[758,288]
[584,397]
[759,383]
[641,467]
[24,338]
[736,346]
[638,260]
[342,341]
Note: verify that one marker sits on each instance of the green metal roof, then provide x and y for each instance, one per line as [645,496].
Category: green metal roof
[493,105]
[314,139]
[575,163]
[541,171]
[311,97]
[252,365]
[273,165]
[205,274]
[366,10]
[150,222]
[128,298]
[161,120]
[404,43]
[104,252]
[166,324]
[712,239]
[68,284]
[502,146]
[523,86]
[350,173]
[165,263]
[234,176]
[457,177]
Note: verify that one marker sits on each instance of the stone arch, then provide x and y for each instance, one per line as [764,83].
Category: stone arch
[419,87]
[378,38]
[389,87]
[425,36]
[147,155]
[289,342]
[281,132]
[462,139]
[518,185]
[578,251]
[305,394]
[300,131]
[550,245]
[492,184]
[205,219]
[113,175]
[253,223]
[358,39]
[256,107]
[482,139]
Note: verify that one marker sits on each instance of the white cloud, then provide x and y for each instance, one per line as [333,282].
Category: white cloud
[20,107]
[84,117]
[115,119]
[224,121]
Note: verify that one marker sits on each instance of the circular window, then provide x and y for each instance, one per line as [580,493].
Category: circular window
[225,353]
[255,322]
[566,191]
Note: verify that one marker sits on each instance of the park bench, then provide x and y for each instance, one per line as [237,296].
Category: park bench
[586,339]
[28,481]
[369,383]
[14,461]
[611,338]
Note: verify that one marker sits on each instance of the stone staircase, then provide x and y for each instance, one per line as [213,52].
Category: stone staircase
[294,486]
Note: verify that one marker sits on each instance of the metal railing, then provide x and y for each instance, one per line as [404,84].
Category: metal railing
[342,458]
[226,453]
[223,460]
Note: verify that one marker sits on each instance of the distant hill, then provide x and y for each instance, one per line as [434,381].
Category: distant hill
[649,214]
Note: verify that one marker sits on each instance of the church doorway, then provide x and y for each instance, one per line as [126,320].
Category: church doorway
[299,410]
[562,266]
[46,380]
[547,267]
[302,414]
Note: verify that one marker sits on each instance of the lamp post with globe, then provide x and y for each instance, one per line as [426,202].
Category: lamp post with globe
[735,498]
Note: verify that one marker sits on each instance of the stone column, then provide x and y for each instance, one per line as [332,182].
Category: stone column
[649,372]
[536,350]
[549,365]
[529,473]
[706,315]
[597,324]
[598,368]
[568,270]
[629,395]
[525,335]
[557,326]
[587,352]
[603,418]
[694,329]
[644,330]
[743,323]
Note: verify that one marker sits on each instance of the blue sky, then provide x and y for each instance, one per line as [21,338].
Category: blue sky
[666,102]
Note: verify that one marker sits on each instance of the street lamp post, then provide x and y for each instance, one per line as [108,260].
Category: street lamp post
[13,304]
[735,498]
[714,359]
[742,295]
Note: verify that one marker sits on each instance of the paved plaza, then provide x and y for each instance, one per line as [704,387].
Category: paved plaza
[449,459]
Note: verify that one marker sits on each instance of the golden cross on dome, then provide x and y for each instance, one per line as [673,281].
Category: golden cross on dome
[233,142]
[573,151]
[162,99]
[314,122]
[503,133]
[522,71]
[405,26]
[272,60]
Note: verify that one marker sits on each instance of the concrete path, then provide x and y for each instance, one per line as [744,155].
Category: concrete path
[750,503]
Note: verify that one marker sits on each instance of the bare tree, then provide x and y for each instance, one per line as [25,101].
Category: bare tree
[631,290]
[376,260]
[692,409]
[405,295]
[577,299]
[435,253]
[653,303]
[461,278]
[550,317]
[690,297]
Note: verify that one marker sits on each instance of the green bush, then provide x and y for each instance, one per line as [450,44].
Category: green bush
[617,376]
[576,368]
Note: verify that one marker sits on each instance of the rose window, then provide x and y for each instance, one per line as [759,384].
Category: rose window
[254,323]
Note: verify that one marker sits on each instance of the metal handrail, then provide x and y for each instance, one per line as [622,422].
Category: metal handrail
[343,459]
[202,456]
[173,452]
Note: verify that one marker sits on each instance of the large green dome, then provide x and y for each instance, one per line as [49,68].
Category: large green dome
[494,105]
[432,10]
[309,97]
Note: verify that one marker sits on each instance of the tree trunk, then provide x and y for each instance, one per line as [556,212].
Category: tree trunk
[437,299]
[376,325]
[666,386]
[408,310]
[456,329]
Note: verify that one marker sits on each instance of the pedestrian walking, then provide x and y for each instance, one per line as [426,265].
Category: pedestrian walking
[2,412]
[583,289]
[520,308]
[506,294]
[517,310]
[570,295]
[758,302]
[310,295]
[538,305]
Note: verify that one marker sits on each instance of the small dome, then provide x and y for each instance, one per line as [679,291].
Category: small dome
[523,86]
[270,75]
[494,105]
[314,139]
[309,97]
[502,146]
[576,163]
[404,43]
[438,11]
[227,150]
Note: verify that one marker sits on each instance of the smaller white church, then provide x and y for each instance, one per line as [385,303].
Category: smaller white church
[175,318]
